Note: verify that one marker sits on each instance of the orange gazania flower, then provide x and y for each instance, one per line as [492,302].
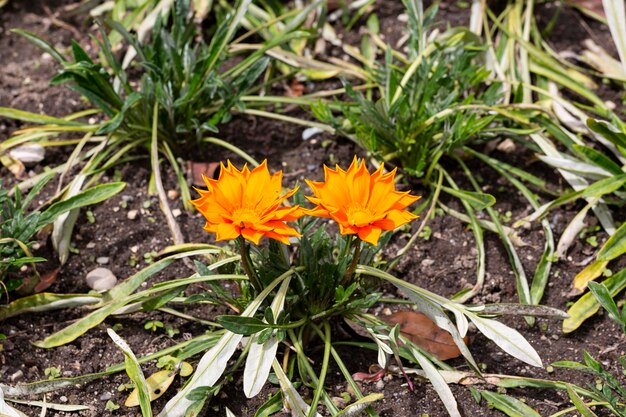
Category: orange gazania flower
[361,203]
[247,203]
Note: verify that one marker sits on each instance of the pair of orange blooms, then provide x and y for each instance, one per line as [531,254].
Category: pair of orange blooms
[249,203]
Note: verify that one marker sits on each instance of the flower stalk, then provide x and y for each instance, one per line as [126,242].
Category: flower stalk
[246,263]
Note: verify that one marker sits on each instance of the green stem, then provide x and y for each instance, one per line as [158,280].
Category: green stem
[320,382]
[306,370]
[246,263]
[355,260]
[346,373]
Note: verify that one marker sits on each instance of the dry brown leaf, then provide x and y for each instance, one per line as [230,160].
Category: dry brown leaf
[422,331]
[195,170]
[593,6]
[47,279]
[295,89]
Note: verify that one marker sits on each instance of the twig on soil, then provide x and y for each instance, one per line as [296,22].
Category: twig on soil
[60,23]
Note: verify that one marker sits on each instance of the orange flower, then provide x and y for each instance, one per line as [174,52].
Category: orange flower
[360,202]
[247,203]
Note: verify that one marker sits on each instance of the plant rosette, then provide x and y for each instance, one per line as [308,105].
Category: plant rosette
[304,282]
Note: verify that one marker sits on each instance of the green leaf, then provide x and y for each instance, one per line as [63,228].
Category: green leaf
[25,116]
[607,131]
[45,302]
[96,317]
[272,406]
[509,405]
[262,353]
[587,305]
[602,294]
[580,405]
[87,197]
[40,43]
[214,362]
[134,372]
[242,325]
[439,384]
[478,201]
[358,405]
[615,246]
[598,158]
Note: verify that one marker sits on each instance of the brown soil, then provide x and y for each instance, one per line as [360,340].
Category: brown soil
[443,264]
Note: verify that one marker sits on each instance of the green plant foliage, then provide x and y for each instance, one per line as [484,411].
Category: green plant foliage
[424,111]
[176,69]
[18,226]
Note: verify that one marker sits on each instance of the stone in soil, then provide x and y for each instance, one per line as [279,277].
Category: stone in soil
[101,279]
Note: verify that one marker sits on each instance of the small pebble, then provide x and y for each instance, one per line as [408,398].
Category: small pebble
[91,245]
[102,260]
[106,396]
[63,398]
[132,214]
[134,249]
[17,375]
[172,194]
[380,385]
[127,198]
[101,279]
[176,212]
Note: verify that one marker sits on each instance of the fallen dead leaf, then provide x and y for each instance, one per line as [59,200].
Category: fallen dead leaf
[295,89]
[422,331]
[593,6]
[47,279]
[195,170]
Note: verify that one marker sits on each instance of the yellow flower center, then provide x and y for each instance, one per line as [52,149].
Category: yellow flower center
[359,216]
[245,217]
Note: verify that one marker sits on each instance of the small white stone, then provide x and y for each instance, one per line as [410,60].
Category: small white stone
[132,214]
[134,249]
[172,194]
[101,279]
[17,375]
[102,260]
[506,146]
[308,133]
[63,398]
[176,212]
[91,245]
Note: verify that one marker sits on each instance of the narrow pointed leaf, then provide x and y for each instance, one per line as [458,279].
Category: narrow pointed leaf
[134,372]
[508,405]
[509,340]
[587,305]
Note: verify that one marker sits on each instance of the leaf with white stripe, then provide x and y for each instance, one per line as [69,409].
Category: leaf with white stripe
[439,383]
[509,340]
[295,403]
[260,356]
[213,363]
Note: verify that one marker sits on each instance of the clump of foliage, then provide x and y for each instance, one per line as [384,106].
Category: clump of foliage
[425,111]
[18,227]
[176,71]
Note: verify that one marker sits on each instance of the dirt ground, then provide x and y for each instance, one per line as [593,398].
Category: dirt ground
[444,264]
